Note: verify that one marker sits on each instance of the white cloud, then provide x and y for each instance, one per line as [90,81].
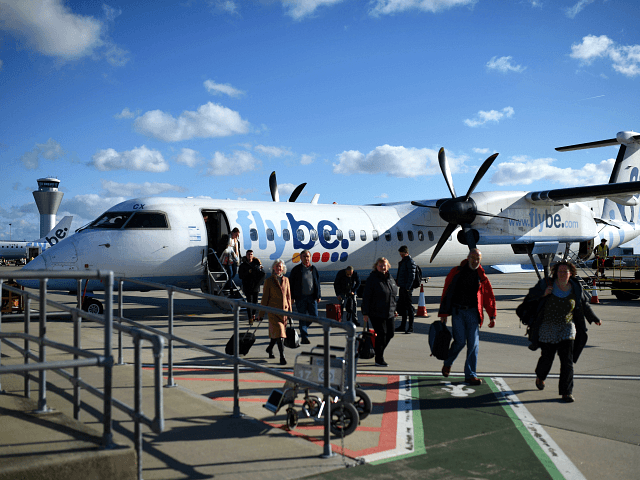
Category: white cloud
[89,206]
[138,189]
[224,6]
[226,89]
[140,159]
[387,7]
[299,9]
[236,164]
[285,190]
[482,151]
[490,116]
[524,171]
[307,159]
[571,12]
[394,161]
[503,64]
[125,113]
[276,152]
[211,120]
[51,150]
[625,58]
[188,157]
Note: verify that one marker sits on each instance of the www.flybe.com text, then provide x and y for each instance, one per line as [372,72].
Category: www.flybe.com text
[543,220]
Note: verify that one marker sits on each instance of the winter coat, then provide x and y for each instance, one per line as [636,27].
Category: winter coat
[344,285]
[486,297]
[406,272]
[277,296]
[251,275]
[379,297]
[295,279]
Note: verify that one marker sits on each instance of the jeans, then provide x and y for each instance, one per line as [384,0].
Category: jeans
[565,354]
[309,305]
[466,329]
[231,272]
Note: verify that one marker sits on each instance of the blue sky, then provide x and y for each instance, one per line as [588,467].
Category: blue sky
[206,98]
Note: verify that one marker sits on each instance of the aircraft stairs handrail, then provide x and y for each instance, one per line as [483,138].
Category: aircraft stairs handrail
[217,279]
[583,267]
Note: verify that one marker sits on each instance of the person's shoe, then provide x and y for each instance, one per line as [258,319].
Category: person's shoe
[270,352]
[283,361]
[446,371]
[568,398]
[381,363]
[539,384]
[409,330]
[305,341]
[400,328]
[473,381]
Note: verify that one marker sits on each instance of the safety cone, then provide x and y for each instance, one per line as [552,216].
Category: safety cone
[594,293]
[422,308]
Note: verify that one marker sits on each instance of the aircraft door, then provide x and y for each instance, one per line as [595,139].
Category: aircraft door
[217,230]
[586,249]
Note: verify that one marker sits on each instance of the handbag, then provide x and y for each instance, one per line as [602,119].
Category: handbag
[292,339]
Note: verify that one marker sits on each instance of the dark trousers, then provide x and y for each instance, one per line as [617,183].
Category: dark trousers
[252,297]
[384,333]
[405,307]
[564,350]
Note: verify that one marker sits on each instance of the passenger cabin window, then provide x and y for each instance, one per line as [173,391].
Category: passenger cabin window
[253,234]
[420,236]
[431,238]
[286,236]
[374,235]
[326,234]
[269,234]
[111,220]
[147,220]
[300,235]
[363,235]
[410,235]
[339,235]
[399,235]
[387,236]
[352,235]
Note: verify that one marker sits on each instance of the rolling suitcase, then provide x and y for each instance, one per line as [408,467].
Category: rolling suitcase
[246,341]
[334,312]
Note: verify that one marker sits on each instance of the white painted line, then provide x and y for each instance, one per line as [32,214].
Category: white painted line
[565,466]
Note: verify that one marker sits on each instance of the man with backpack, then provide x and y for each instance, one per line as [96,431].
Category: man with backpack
[405,280]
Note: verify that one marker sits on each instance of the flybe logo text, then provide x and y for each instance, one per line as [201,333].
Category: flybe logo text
[304,234]
[544,220]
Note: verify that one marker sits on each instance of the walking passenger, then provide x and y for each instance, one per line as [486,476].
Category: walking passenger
[404,279]
[252,274]
[466,291]
[346,286]
[277,294]
[305,290]
[379,305]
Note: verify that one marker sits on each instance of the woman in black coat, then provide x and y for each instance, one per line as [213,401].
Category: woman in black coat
[379,304]
[558,308]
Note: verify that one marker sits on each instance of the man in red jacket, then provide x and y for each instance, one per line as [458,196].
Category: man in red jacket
[466,291]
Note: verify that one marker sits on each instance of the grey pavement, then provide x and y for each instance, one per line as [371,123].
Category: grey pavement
[600,432]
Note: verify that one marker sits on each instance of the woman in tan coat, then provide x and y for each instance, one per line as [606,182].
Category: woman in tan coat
[277,294]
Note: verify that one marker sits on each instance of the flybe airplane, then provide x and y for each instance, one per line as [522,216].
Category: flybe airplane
[172,240]
[16,250]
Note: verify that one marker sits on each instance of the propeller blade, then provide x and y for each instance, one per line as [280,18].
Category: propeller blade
[296,193]
[418,204]
[481,171]
[444,166]
[468,233]
[445,235]
[487,214]
[273,186]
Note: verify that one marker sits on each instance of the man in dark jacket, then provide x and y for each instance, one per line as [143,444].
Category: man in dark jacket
[252,274]
[346,286]
[404,279]
[305,291]
[466,290]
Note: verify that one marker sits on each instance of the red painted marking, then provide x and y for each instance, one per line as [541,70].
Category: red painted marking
[315,258]
[326,256]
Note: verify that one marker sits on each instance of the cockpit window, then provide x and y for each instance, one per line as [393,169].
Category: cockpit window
[111,220]
[147,220]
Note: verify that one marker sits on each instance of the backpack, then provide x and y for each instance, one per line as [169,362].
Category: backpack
[417,277]
[439,340]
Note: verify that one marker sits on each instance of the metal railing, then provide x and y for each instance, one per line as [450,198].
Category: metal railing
[347,394]
[104,361]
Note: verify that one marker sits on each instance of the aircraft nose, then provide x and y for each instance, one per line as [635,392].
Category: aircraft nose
[37,263]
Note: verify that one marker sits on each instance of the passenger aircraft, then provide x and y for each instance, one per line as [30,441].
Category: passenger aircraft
[170,240]
[16,250]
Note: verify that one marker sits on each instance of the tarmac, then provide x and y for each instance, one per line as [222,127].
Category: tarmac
[598,435]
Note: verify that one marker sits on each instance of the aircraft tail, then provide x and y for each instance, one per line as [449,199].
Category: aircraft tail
[59,232]
[625,169]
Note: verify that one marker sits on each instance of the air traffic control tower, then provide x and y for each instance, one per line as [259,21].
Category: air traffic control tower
[48,200]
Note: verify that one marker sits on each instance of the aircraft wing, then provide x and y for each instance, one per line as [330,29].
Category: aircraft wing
[622,193]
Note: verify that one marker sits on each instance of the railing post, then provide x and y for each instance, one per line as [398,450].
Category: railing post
[42,378]
[120,315]
[236,365]
[1,282]
[77,343]
[327,452]
[137,372]
[27,344]
[170,382]
[107,436]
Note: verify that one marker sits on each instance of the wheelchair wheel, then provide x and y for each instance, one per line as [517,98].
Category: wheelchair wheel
[292,418]
[344,418]
[311,407]
[362,403]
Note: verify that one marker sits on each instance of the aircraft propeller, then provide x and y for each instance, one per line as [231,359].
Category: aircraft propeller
[273,187]
[459,210]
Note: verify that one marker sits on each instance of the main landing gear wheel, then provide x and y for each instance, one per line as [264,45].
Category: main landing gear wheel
[92,305]
[292,418]
[344,419]
[362,403]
